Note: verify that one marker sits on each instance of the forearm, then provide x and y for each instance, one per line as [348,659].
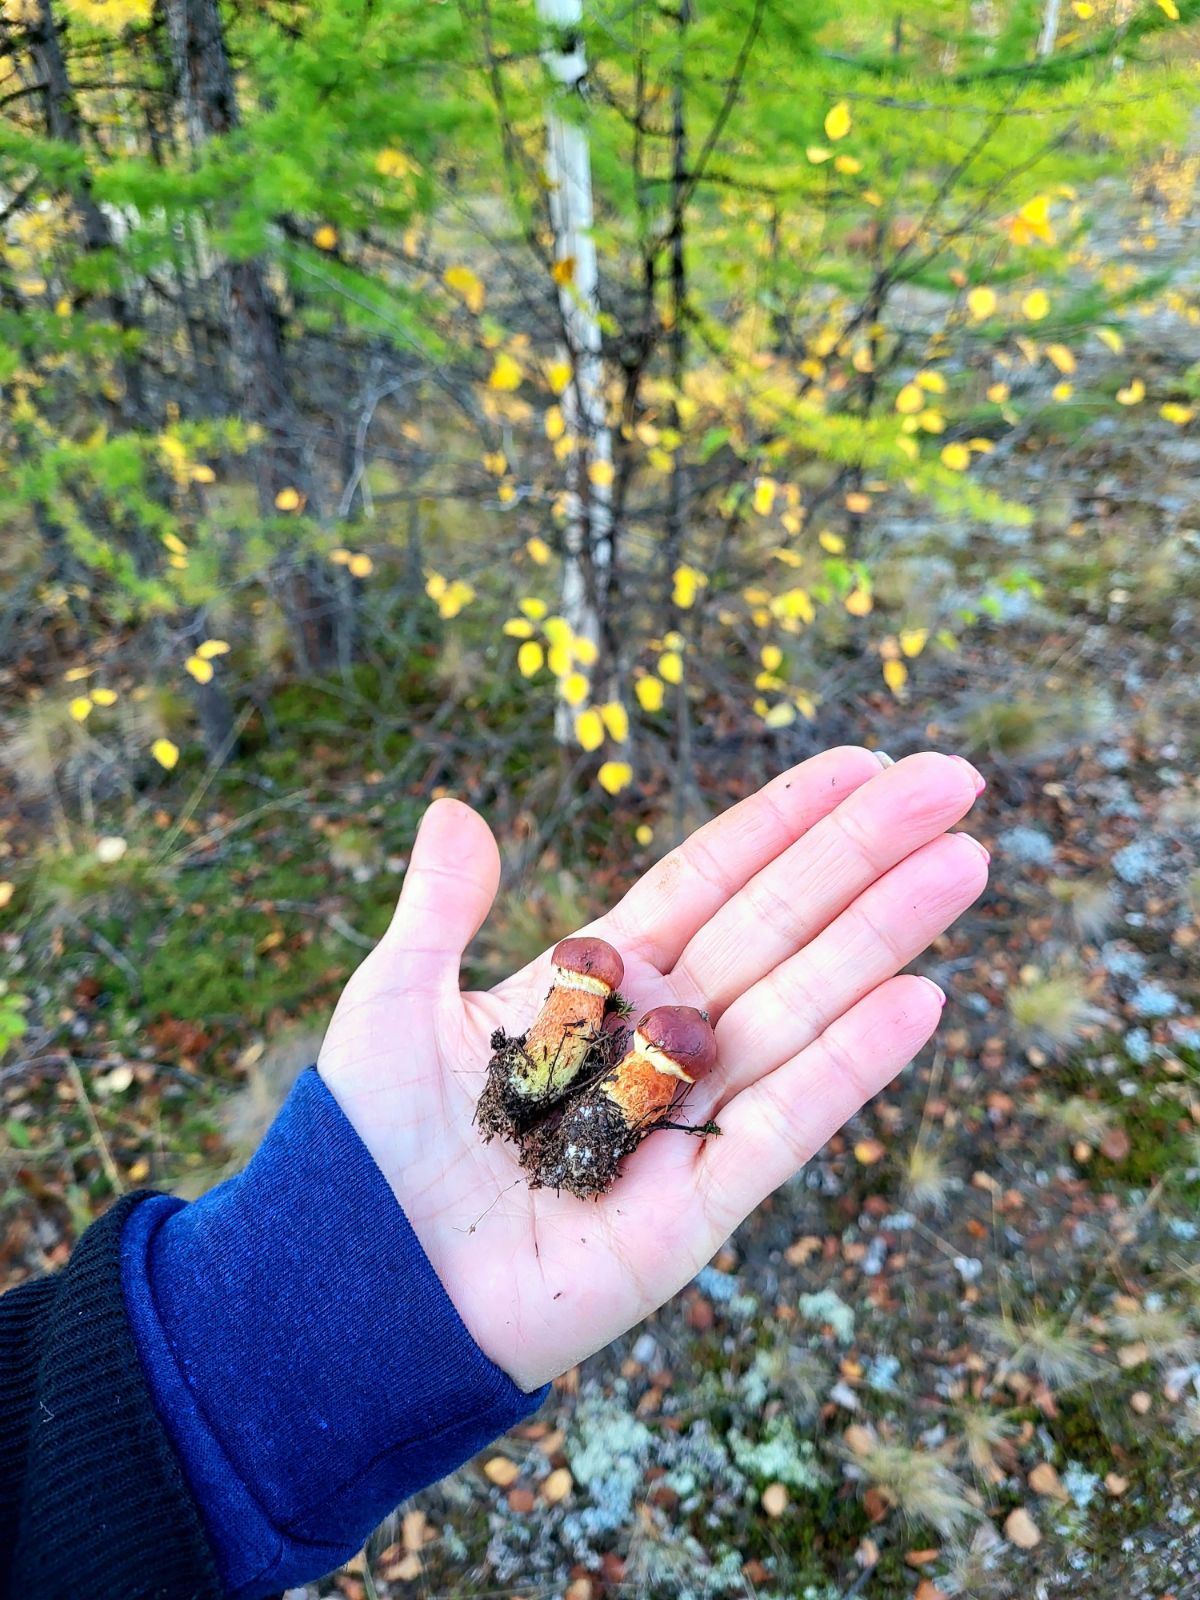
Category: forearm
[287,1347]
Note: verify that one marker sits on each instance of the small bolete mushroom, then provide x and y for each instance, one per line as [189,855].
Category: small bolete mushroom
[586,974]
[671,1045]
[582,1150]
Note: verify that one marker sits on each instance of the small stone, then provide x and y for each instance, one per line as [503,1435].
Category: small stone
[521,1501]
[1021,1530]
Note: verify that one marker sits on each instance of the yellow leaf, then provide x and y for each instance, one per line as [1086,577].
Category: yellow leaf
[574,688]
[1111,338]
[326,237]
[165,753]
[616,719]
[1083,9]
[601,473]
[614,776]
[688,583]
[506,373]
[833,542]
[288,500]
[1062,391]
[1061,357]
[339,557]
[837,121]
[790,558]
[538,551]
[771,657]
[563,272]
[912,640]
[76,674]
[1169,8]
[558,659]
[956,456]
[81,708]
[435,586]
[555,423]
[1173,412]
[467,286]
[932,382]
[764,495]
[858,502]
[794,604]
[643,833]
[104,697]
[817,153]
[780,716]
[848,165]
[360,566]
[1036,305]
[203,474]
[895,675]
[670,666]
[519,628]
[456,596]
[200,669]
[395,164]
[530,658]
[998,393]
[558,376]
[858,602]
[535,610]
[589,729]
[585,650]
[981,303]
[211,648]
[7,889]
[1133,394]
[495,462]
[1032,222]
[932,421]
[650,693]
[910,400]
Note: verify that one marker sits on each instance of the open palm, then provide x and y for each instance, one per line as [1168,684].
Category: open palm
[788,918]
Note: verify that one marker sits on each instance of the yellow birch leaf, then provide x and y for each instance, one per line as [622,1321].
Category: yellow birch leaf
[910,400]
[895,675]
[932,382]
[519,628]
[506,374]
[326,237]
[670,666]
[771,657]
[467,286]
[601,473]
[1061,357]
[104,697]
[912,640]
[538,551]
[858,603]
[360,566]
[81,707]
[650,693]
[1172,411]
[558,376]
[589,729]
[165,753]
[1036,305]
[780,716]
[817,153]
[614,776]
[837,121]
[211,648]
[555,423]
[1111,338]
[288,500]
[833,542]
[535,610]
[644,834]
[764,495]
[616,719]
[200,669]
[1133,393]
[574,688]
[981,302]
[956,456]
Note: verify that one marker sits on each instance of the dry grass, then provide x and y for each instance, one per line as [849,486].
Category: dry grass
[918,1483]
[926,1179]
[1076,1117]
[1052,1011]
[1046,1347]
[1089,904]
[1166,1333]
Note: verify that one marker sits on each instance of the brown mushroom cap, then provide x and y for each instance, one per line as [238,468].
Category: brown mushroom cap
[592,957]
[683,1034]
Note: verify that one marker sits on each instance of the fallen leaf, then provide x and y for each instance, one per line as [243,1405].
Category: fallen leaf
[775,1499]
[859,1440]
[557,1486]
[1116,1484]
[869,1151]
[501,1471]
[413,1530]
[1115,1145]
[1020,1529]
[1046,1481]
[921,1558]
[1132,1355]
[521,1501]
[1140,1402]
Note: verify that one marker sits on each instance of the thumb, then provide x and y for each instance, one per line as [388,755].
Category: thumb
[452,878]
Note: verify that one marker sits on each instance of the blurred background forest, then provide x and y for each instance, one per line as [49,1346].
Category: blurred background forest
[588,411]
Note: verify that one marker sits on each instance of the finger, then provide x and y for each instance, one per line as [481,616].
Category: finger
[886,927]
[449,888]
[665,908]
[800,892]
[772,1128]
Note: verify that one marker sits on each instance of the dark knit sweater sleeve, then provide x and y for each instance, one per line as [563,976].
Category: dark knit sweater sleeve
[93,1501]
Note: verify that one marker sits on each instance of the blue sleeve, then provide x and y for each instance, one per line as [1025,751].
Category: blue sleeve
[301,1352]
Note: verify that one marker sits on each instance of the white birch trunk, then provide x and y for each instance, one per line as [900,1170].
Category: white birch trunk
[569,175]
[1049,28]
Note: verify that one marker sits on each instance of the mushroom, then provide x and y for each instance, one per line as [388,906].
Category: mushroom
[581,1150]
[586,973]
[671,1045]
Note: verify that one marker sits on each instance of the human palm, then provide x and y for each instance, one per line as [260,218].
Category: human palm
[787,918]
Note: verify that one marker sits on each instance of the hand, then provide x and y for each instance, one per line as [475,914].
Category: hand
[788,918]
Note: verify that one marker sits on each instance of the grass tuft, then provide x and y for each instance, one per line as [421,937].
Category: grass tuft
[1046,1347]
[1052,1011]
[917,1483]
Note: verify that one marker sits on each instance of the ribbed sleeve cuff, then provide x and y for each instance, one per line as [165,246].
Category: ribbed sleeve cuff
[301,1351]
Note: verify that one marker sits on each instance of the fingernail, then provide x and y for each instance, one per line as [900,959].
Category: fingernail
[983,851]
[884,759]
[977,778]
[936,987]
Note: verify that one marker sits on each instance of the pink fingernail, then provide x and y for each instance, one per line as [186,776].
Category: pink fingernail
[977,777]
[936,987]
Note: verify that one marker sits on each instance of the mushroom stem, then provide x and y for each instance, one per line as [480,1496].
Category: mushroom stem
[586,973]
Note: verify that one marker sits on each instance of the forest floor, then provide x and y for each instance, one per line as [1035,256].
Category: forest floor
[960,1353]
